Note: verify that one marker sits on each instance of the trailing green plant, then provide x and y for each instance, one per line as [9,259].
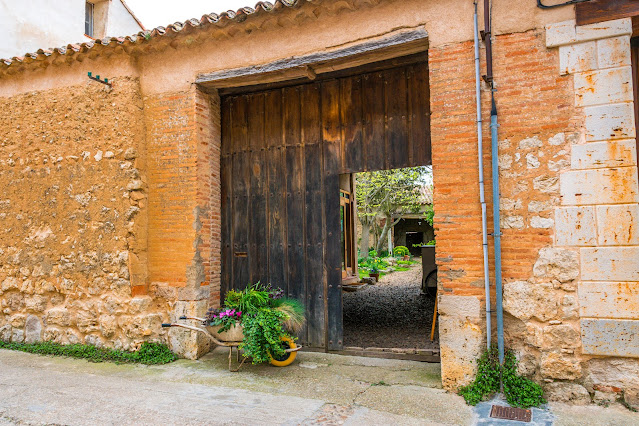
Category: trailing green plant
[401,251]
[252,298]
[520,391]
[262,335]
[266,316]
[150,353]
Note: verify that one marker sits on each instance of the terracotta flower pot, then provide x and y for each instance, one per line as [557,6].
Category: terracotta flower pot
[374,275]
[407,257]
[233,334]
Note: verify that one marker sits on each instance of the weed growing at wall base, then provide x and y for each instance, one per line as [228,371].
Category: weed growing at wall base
[149,353]
[519,391]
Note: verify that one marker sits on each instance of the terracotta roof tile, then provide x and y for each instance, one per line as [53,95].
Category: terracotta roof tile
[142,37]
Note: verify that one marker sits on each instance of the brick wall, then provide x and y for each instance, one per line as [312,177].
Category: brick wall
[184,246]
[537,122]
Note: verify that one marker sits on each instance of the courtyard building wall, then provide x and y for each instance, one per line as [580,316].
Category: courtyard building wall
[111,195]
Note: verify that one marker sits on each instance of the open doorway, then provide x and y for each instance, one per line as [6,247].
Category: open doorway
[386,309]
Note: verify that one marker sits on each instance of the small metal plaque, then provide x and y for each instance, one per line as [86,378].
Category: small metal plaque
[510,413]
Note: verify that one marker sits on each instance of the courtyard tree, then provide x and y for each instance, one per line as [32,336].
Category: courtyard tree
[384,194]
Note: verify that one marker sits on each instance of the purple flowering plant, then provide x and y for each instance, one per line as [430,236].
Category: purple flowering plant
[224,317]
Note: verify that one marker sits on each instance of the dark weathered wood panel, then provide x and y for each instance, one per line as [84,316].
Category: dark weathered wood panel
[351,122]
[605,10]
[283,152]
[240,185]
[258,184]
[314,245]
[419,93]
[374,121]
[396,118]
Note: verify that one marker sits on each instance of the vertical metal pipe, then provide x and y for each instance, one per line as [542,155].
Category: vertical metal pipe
[482,197]
[497,230]
[494,141]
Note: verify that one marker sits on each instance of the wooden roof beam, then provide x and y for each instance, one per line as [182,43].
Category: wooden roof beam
[400,43]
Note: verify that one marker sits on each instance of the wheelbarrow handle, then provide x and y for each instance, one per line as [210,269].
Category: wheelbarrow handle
[186,317]
[166,325]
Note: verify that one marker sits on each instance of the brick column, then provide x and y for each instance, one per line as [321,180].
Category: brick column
[183,135]
[458,211]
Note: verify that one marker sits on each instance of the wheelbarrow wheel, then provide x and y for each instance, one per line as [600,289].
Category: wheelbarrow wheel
[288,357]
[429,284]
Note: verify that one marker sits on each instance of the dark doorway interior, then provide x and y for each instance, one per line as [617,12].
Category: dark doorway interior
[414,240]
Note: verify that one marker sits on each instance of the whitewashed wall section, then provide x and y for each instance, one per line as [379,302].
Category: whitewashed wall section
[599,212]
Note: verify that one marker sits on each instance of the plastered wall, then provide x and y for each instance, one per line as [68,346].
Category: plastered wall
[74,210]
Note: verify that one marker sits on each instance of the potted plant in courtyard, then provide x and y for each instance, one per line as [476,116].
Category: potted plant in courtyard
[374,271]
[264,321]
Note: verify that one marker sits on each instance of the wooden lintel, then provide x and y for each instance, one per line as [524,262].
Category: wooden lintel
[398,44]
[605,10]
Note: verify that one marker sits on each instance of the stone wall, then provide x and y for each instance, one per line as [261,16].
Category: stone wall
[73,204]
[596,242]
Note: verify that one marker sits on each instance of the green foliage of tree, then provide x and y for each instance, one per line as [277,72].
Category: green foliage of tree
[387,193]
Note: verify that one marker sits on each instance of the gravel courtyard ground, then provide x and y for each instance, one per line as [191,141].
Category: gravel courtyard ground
[391,314]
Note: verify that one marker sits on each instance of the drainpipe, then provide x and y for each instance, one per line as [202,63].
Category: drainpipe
[482,198]
[494,141]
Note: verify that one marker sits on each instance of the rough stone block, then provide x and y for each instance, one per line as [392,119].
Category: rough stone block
[541,222]
[558,366]
[575,226]
[188,344]
[5,333]
[613,52]
[526,300]
[603,87]
[33,329]
[461,342]
[610,337]
[604,398]
[618,224]
[631,397]
[560,336]
[557,263]
[599,186]
[59,316]
[578,58]
[604,154]
[567,392]
[610,264]
[605,122]
[613,374]
[609,300]
[459,306]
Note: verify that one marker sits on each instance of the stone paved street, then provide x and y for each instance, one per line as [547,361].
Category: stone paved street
[318,389]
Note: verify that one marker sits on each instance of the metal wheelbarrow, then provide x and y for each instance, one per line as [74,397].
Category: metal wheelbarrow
[290,347]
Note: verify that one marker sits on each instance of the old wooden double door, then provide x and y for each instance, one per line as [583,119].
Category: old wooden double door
[282,153]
